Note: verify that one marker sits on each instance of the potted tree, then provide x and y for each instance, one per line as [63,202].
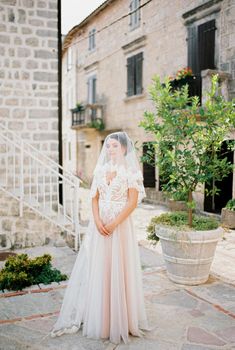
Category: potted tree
[186,151]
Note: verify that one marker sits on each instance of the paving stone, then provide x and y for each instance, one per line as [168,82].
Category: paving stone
[195,347]
[200,336]
[228,334]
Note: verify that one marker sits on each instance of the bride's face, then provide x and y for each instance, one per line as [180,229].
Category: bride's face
[114,149]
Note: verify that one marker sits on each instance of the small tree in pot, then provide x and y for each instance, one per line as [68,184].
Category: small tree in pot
[187,138]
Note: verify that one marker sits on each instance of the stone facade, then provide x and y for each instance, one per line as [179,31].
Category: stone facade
[29,107]
[162,37]
[29,71]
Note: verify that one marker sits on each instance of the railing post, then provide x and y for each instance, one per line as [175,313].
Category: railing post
[76,216]
[21,177]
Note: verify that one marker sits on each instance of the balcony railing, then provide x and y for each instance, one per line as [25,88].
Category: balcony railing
[88,116]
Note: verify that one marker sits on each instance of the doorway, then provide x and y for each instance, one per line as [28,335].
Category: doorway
[214,203]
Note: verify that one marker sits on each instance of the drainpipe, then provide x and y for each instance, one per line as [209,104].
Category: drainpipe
[59,49]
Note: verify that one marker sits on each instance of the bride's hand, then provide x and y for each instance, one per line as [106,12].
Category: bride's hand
[110,227]
[101,228]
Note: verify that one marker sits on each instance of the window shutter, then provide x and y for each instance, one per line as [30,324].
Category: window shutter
[138,75]
[131,14]
[94,90]
[206,45]
[130,76]
[192,50]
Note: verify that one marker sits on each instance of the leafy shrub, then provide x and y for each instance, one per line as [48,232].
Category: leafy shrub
[180,219]
[231,204]
[20,271]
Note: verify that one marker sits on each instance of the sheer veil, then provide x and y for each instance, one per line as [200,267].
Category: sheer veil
[118,154]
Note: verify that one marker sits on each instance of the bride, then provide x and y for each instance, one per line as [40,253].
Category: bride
[104,294]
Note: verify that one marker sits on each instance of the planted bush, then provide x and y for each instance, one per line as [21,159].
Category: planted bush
[180,219]
[20,271]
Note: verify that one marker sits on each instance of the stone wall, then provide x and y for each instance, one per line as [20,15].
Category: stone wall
[29,71]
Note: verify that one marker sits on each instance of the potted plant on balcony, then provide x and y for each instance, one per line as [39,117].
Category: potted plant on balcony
[228,214]
[186,150]
[79,107]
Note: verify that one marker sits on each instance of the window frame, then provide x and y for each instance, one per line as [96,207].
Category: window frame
[92,40]
[135,14]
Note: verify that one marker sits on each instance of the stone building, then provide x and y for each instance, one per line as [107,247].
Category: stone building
[29,71]
[110,58]
[34,189]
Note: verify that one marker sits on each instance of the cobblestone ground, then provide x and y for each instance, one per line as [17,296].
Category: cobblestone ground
[185,318]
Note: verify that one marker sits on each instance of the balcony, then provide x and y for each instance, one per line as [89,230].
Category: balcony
[194,85]
[88,116]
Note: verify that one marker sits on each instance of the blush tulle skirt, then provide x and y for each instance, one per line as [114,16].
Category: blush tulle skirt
[104,295]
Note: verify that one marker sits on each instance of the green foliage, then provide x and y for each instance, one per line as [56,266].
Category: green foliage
[187,148]
[231,204]
[20,271]
[97,124]
[179,219]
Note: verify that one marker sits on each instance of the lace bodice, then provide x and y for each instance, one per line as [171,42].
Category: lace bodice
[113,196]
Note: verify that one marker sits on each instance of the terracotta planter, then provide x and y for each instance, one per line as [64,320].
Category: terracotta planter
[188,254]
[228,218]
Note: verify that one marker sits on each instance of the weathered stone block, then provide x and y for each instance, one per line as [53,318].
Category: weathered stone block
[18,41]
[28,3]
[22,17]
[45,137]
[18,113]
[46,33]
[42,113]
[4,113]
[31,64]
[5,39]
[41,4]
[44,54]
[47,14]
[8,2]
[32,41]
[52,24]
[53,5]
[12,102]
[23,52]
[26,30]
[11,15]
[52,43]
[44,76]
[36,22]
[16,125]
[44,103]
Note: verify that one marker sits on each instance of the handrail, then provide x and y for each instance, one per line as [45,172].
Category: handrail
[38,151]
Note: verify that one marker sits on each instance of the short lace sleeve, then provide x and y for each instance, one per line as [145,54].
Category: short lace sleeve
[135,180]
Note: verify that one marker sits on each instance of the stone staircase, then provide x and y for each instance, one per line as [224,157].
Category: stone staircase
[31,187]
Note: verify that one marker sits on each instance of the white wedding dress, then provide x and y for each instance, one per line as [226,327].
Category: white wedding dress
[104,295]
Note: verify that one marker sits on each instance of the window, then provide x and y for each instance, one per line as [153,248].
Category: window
[69,58]
[91,83]
[92,39]
[201,46]
[148,169]
[134,74]
[134,14]
[91,89]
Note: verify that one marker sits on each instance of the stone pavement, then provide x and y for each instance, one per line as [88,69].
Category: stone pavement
[185,317]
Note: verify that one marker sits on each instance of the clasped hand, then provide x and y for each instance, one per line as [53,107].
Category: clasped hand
[107,229]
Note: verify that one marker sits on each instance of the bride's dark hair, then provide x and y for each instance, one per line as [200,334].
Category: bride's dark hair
[120,137]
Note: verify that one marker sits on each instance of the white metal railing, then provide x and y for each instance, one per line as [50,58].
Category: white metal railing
[38,181]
